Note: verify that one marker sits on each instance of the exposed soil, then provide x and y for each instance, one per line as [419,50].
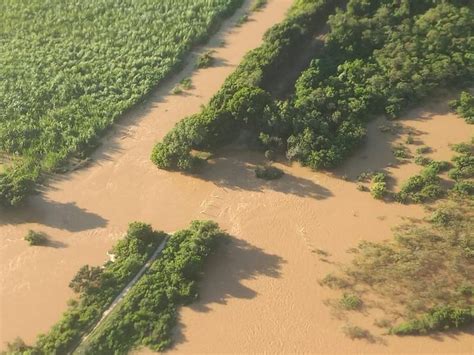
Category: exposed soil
[261,293]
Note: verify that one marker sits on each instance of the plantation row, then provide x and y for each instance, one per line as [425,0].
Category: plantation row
[380,57]
[171,281]
[69,69]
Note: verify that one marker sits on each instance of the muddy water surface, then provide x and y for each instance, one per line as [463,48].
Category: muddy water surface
[261,292]
[84,213]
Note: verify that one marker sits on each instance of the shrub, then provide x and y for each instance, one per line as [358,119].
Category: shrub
[205,60]
[268,172]
[423,150]
[36,238]
[438,318]
[464,106]
[425,186]
[355,332]
[378,189]
[350,301]
[334,282]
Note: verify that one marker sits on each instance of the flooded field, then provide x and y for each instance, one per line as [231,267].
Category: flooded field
[261,293]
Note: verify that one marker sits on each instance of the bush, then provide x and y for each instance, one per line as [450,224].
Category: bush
[425,186]
[464,106]
[378,189]
[350,301]
[268,172]
[205,60]
[36,238]
[437,319]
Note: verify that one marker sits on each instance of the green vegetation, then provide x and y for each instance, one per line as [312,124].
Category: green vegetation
[205,60]
[242,101]
[425,186]
[148,313]
[401,152]
[464,106]
[380,57]
[36,238]
[185,84]
[425,275]
[350,301]
[63,85]
[268,172]
[258,5]
[96,287]
[378,189]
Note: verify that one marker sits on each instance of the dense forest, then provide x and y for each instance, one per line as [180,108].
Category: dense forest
[69,69]
[379,58]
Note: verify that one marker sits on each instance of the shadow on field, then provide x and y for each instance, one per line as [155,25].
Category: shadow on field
[234,262]
[64,216]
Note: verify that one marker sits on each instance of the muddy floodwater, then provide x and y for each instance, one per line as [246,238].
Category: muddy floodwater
[260,292]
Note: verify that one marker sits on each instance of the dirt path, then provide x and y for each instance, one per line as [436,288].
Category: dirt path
[85,212]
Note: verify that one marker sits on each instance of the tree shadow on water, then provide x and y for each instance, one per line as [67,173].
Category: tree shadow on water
[67,216]
[234,262]
[235,170]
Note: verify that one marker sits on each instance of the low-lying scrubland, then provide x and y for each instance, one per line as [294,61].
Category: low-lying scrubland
[380,57]
[63,85]
[148,313]
[422,279]
[96,287]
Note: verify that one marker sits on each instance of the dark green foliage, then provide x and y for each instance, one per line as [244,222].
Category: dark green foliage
[16,183]
[425,186]
[268,172]
[36,238]
[464,162]
[425,274]
[148,313]
[242,102]
[464,106]
[380,57]
[97,287]
[61,86]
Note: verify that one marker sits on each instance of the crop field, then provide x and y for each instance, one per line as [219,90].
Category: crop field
[70,68]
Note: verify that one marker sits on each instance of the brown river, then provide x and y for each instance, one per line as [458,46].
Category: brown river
[260,292]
